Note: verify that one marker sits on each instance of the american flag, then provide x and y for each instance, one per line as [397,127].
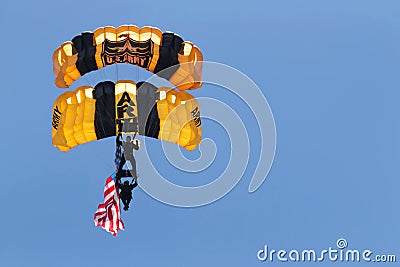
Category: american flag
[108,214]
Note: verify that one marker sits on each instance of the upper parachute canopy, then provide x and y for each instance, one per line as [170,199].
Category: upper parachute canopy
[110,109]
[147,47]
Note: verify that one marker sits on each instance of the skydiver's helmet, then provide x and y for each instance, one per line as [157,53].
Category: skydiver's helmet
[126,183]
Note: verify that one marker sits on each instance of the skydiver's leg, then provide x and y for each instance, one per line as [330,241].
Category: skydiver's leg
[133,164]
[126,203]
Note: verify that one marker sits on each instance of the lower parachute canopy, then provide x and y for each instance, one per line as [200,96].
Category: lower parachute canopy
[110,109]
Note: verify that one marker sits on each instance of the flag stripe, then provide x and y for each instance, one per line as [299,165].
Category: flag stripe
[108,214]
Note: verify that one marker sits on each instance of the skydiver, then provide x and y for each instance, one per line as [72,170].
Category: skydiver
[126,192]
[129,148]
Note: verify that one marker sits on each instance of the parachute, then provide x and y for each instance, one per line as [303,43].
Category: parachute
[124,108]
[147,47]
[113,109]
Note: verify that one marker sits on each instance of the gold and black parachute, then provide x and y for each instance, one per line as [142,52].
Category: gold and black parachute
[145,47]
[111,109]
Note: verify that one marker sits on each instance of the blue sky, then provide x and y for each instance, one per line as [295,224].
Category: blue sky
[330,72]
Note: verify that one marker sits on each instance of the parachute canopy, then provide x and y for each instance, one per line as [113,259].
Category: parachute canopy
[110,109]
[147,47]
